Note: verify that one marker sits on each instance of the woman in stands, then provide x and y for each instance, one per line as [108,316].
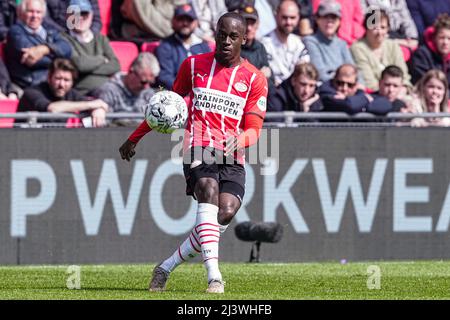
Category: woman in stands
[374,52]
[432,96]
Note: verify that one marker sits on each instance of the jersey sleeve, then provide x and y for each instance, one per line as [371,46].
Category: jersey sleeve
[183,82]
[140,132]
[257,99]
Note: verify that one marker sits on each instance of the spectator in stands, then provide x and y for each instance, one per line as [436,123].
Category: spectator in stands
[435,53]
[148,20]
[6,89]
[58,10]
[326,49]
[130,92]
[298,92]
[375,51]
[57,95]
[432,92]
[30,47]
[91,53]
[351,27]
[425,13]
[285,50]
[253,50]
[341,94]
[402,27]
[8,17]
[392,87]
[181,44]
[208,13]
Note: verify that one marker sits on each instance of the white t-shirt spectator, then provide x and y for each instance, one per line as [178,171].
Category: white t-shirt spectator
[284,57]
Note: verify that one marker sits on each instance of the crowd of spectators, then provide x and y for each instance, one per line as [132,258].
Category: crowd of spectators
[352,56]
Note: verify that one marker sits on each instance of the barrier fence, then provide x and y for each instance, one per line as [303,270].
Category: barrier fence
[340,193]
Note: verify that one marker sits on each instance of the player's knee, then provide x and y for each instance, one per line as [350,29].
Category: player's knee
[207,190]
[227,211]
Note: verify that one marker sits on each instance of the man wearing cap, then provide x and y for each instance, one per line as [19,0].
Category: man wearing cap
[92,54]
[183,43]
[59,9]
[327,51]
[253,50]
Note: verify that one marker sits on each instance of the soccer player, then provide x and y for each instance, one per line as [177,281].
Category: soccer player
[228,103]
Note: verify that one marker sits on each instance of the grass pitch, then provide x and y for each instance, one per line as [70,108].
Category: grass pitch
[292,281]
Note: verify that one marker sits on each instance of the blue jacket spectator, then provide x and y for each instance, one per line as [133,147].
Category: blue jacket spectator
[31,48]
[425,12]
[183,43]
[57,14]
[341,94]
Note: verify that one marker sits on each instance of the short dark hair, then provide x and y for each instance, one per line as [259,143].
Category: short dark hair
[392,71]
[233,15]
[65,65]
[372,13]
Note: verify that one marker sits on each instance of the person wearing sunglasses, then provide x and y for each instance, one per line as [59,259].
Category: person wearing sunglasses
[342,94]
[130,92]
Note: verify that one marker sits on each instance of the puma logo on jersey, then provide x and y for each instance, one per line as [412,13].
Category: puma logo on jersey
[202,76]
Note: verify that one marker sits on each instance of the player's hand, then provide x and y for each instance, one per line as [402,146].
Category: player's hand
[127,150]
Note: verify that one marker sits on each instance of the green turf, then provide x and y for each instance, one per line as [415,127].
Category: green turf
[399,280]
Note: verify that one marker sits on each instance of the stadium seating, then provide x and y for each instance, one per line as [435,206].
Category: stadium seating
[126,52]
[8,106]
[150,46]
[2,46]
[406,53]
[105,15]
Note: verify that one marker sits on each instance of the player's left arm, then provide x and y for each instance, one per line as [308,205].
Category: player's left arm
[253,118]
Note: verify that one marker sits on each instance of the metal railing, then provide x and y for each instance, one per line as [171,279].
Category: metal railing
[289,118]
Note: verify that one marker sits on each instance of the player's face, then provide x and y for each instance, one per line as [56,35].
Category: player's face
[230,36]
[60,82]
[304,87]
[390,87]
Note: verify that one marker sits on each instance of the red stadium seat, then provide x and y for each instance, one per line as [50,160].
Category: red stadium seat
[105,15]
[150,46]
[212,45]
[8,106]
[406,53]
[2,46]
[126,52]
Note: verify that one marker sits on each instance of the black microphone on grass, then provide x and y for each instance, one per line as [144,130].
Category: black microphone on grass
[258,232]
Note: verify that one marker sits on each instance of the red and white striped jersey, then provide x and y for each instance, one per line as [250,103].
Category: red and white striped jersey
[220,97]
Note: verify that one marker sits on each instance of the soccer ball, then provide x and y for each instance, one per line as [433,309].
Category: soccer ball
[166,111]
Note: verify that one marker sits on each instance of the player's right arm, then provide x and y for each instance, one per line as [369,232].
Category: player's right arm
[182,86]
[127,149]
